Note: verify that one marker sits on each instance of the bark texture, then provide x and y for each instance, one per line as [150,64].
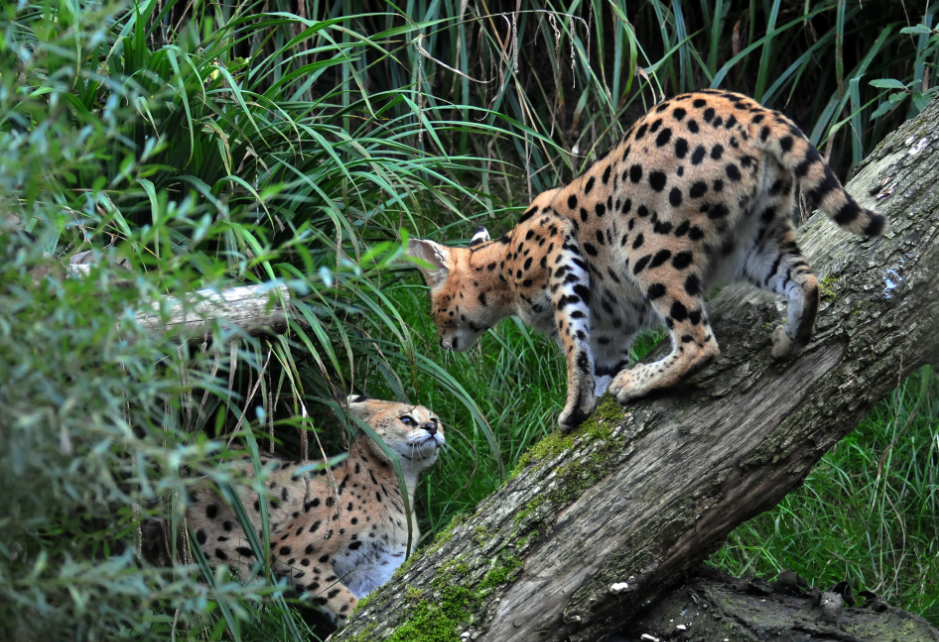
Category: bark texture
[713,607]
[596,525]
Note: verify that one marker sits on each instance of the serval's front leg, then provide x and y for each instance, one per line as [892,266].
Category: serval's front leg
[570,293]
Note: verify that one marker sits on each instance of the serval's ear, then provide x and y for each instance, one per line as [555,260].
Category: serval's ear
[362,406]
[436,258]
[480,235]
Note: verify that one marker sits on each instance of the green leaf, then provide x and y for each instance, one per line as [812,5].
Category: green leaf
[887,83]
[917,30]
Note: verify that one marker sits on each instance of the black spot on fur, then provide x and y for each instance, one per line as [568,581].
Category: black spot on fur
[693,285]
[733,172]
[678,312]
[679,113]
[681,147]
[583,363]
[698,155]
[664,136]
[674,197]
[698,189]
[718,211]
[682,260]
[635,173]
[660,257]
[655,291]
[657,181]
[589,185]
[572,202]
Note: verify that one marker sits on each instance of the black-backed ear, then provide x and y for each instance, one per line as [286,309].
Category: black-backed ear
[360,406]
[480,235]
[436,255]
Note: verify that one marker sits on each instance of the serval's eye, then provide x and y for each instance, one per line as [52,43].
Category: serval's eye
[408,421]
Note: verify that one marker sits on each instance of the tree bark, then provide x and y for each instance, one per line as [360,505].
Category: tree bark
[598,524]
[713,606]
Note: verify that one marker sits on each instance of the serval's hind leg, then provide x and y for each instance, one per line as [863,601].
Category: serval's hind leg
[777,265]
[694,347]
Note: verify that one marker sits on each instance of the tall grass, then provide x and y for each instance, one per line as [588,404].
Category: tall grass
[866,514]
[207,145]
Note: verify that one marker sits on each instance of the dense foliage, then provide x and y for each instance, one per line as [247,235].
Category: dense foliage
[182,146]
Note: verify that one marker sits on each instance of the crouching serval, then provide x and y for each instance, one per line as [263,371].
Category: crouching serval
[336,532]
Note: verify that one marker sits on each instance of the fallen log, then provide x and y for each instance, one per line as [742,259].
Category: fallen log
[260,309]
[598,524]
[252,309]
[713,606]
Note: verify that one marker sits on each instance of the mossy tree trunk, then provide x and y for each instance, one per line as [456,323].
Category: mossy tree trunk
[599,523]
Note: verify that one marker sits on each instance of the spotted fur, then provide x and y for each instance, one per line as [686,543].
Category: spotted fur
[701,191]
[337,533]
